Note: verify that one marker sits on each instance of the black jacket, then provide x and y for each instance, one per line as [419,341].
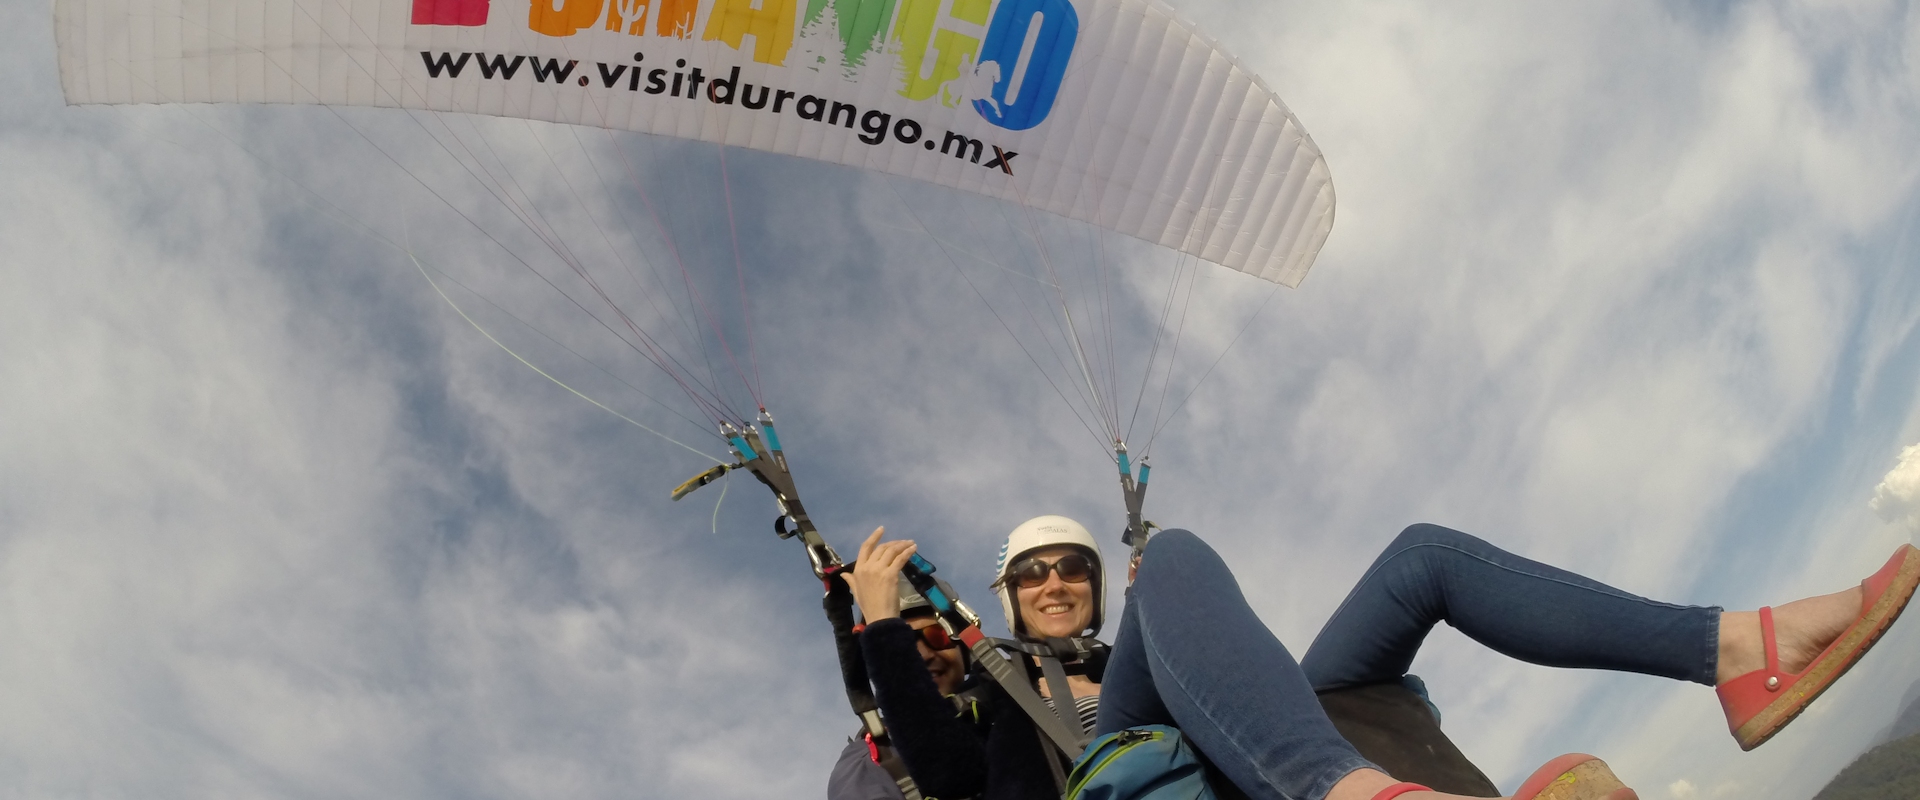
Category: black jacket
[991,751]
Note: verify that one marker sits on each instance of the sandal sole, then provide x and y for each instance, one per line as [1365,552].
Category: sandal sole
[1589,780]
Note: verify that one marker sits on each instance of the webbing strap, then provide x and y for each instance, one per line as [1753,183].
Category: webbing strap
[1001,669]
[1063,697]
[1059,773]
[888,760]
[1063,705]
[838,604]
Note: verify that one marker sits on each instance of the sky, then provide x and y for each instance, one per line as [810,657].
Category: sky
[1629,288]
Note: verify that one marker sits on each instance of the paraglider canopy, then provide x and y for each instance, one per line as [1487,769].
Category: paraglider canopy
[1113,112]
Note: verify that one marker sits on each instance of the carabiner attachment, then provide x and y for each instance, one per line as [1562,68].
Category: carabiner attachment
[1134,492]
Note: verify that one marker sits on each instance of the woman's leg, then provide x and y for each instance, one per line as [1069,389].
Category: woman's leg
[1191,653]
[1520,608]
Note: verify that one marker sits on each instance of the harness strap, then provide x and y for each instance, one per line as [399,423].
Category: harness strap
[838,603]
[1059,772]
[1014,683]
[896,769]
[1063,700]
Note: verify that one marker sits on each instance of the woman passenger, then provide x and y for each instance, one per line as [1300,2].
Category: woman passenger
[1190,653]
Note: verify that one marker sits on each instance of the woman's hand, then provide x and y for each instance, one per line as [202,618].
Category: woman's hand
[875,580]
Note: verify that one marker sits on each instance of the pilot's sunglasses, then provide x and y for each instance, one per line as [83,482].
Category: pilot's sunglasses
[1032,572]
[936,637]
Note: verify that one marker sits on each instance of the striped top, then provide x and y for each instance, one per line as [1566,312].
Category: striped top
[1087,705]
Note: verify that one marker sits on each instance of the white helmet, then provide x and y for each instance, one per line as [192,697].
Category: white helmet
[1042,532]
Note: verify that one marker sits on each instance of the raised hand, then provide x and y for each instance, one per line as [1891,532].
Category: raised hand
[875,579]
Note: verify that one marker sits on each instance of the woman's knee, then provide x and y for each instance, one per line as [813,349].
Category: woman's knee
[1178,551]
[1426,533]
[1175,543]
[1421,549]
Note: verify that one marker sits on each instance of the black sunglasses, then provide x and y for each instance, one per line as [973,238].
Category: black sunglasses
[1031,572]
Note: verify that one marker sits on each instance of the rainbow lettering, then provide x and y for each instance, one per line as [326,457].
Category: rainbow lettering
[1005,57]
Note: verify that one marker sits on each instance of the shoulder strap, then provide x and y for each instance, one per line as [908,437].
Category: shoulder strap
[888,760]
[838,603]
[1063,700]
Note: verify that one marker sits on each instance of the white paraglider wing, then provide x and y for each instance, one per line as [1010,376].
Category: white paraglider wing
[1112,112]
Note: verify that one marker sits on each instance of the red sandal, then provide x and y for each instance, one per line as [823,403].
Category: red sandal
[1574,776]
[1398,789]
[1760,703]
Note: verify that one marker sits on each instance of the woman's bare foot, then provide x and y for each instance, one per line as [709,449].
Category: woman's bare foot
[1360,784]
[1802,629]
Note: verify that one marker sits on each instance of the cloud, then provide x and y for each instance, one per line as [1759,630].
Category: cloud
[1897,498]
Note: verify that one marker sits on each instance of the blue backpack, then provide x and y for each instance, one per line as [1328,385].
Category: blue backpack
[1151,762]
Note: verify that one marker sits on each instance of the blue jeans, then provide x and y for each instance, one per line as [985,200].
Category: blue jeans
[1190,653]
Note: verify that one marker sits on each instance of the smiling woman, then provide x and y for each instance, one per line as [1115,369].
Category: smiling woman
[1055,593]
[1050,579]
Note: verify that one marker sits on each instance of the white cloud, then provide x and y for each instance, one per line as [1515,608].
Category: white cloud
[1897,498]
